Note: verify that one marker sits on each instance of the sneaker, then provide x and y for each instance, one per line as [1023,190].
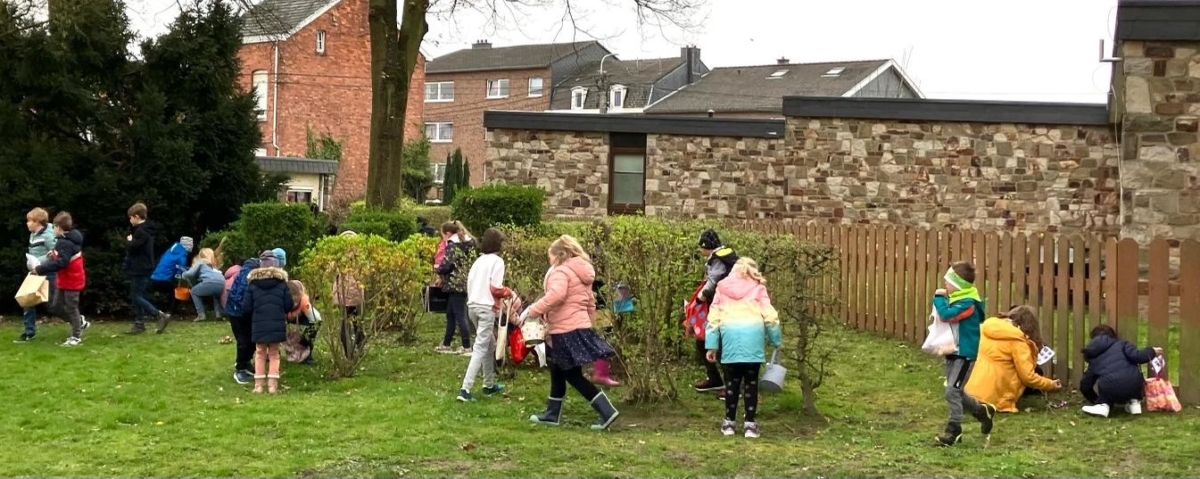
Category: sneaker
[490,390]
[986,415]
[751,429]
[444,350]
[242,376]
[727,428]
[24,338]
[464,396]
[72,341]
[708,385]
[1134,407]
[84,323]
[1101,410]
[465,352]
[161,324]
[951,435]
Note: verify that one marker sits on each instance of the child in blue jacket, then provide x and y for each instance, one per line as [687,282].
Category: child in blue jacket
[171,265]
[960,303]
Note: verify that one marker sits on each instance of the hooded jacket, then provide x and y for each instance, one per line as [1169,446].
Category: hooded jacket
[67,261]
[1114,364]
[568,304]
[267,302]
[231,274]
[42,243]
[202,272]
[964,307]
[139,253]
[173,262]
[1005,366]
[740,320]
[453,268]
[237,290]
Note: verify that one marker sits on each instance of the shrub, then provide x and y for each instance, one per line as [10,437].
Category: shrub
[434,215]
[270,225]
[400,223]
[481,208]
[231,245]
[377,228]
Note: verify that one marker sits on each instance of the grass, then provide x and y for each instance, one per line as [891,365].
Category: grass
[166,405]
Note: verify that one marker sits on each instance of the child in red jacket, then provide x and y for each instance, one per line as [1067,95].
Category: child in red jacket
[67,261]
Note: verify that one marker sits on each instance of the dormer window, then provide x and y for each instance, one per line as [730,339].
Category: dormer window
[834,72]
[578,96]
[777,74]
[616,97]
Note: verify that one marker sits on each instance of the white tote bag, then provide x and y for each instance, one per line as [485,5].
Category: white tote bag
[942,338]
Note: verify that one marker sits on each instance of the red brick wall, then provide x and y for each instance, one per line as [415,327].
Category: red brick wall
[470,101]
[329,93]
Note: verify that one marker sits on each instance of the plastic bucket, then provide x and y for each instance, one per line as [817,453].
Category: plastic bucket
[534,332]
[183,293]
[773,376]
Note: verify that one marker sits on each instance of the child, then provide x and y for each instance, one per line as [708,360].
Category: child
[207,282]
[1113,375]
[460,251]
[41,242]
[485,286]
[740,320]
[170,266]
[300,339]
[719,261]
[266,304]
[67,261]
[139,264]
[239,321]
[1007,364]
[960,303]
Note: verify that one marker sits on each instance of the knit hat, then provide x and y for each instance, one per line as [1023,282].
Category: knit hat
[709,239]
[187,243]
[280,255]
[268,260]
[348,233]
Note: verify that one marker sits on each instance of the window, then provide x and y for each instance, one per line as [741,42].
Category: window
[833,72]
[438,171]
[616,99]
[300,195]
[439,91]
[535,87]
[578,96]
[320,42]
[627,178]
[439,132]
[777,74]
[497,88]
[261,151]
[259,82]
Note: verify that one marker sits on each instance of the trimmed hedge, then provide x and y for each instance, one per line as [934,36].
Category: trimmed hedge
[434,215]
[494,205]
[290,226]
[377,228]
[400,223]
[236,248]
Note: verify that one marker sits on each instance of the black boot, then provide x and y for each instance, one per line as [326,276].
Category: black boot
[608,413]
[986,415]
[951,436]
[552,413]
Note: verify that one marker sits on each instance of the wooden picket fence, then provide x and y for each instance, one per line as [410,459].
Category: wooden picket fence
[1151,295]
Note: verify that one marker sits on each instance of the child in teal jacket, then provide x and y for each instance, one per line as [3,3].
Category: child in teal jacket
[960,303]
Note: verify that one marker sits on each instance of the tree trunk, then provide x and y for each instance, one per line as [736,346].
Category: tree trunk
[394,51]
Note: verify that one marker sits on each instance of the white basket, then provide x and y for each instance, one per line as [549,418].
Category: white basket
[534,332]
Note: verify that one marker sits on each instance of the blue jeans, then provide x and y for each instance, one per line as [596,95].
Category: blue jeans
[31,313]
[137,299]
[208,289]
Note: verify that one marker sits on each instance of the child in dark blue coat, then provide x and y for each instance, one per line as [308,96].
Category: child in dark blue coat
[1113,373]
[266,304]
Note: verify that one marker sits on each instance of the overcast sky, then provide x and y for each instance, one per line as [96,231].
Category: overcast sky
[1033,50]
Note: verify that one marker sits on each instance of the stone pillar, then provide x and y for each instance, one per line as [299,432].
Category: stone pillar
[1160,161]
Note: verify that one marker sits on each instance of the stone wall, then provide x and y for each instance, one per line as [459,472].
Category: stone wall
[571,166]
[717,177]
[1160,173]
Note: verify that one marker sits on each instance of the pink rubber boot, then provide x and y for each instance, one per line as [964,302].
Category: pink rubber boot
[600,373]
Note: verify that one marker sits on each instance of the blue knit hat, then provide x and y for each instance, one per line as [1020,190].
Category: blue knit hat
[280,255]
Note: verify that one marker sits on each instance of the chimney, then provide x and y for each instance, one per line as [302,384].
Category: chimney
[691,59]
[783,61]
[481,44]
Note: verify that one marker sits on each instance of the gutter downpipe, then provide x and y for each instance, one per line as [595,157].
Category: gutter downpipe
[275,101]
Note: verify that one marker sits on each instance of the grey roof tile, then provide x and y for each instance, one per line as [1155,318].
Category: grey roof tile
[277,164]
[278,17]
[503,58]
[637,76]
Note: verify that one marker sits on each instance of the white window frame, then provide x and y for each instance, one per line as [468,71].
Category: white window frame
[312,194]
[260,151]
[612,96]
[320,42]
[259,83]
[834,72]
[439,127]
[579,93]
[438,170]
[541,89]
[502,85]
[439,96]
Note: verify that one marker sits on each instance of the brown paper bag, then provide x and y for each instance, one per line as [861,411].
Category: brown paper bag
[34,290]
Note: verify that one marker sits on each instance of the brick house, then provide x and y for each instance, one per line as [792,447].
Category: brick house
[626,86]
[758,91]
[310,63]
[460,86]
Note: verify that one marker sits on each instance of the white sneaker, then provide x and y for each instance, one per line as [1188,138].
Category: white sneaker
[72,341]
[751,429]
[85,323]
[727,428]
[1134,407]
[1097,410]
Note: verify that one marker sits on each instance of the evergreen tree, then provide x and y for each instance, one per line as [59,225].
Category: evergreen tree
[418,177]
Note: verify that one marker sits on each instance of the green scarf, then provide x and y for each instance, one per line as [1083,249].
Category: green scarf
[967,293]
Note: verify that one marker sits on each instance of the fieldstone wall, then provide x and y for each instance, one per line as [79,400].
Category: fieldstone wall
[571,166]
[1160,173]
[722,177]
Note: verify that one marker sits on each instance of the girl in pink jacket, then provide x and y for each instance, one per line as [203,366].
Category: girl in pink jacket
[568,307]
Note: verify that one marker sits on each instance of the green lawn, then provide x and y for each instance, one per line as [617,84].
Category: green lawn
[166,405]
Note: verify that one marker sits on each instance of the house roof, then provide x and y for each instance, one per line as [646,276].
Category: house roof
[278,164]
[753,89]
[504,58]
[270,18]
[637,76]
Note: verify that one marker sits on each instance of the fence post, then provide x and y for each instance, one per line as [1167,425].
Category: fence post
[1189,323]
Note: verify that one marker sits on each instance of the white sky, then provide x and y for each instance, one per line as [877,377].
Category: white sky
[1032,50]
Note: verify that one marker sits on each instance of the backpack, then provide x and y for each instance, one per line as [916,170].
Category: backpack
[233,305]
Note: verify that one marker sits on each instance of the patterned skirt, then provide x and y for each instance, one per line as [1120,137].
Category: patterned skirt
[577,348]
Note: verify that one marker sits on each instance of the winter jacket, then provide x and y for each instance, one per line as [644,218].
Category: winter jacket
[173,262]
[965,308]
[453,267]
[231,275]
[139,252]
[441,253]
[568,303]
[1005,367]
[1113,363]
[740,319]
[67,261]
[267,302]
[202,272]
[42,242]
[718,266]
[237,290]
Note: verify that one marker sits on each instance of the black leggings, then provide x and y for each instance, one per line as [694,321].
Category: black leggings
[560,378]
[735,375]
